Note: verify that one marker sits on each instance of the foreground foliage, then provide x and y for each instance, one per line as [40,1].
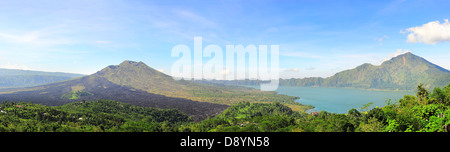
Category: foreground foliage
[425,112]
[91,116]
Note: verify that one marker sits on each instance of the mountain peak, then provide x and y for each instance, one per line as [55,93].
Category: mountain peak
[408,55]
[405,55]
[407,58]
[413,62]
[135,74]
[129,62]
[402,72]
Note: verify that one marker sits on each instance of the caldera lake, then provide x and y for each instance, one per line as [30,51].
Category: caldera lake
[341,100]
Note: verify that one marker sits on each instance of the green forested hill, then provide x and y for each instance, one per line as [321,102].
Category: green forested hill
[89,116]
[427,111]
[403,72]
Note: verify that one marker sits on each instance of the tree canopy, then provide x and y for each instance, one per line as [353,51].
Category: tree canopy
[428,111]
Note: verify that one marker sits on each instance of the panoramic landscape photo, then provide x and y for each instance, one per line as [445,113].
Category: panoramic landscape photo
[224,66]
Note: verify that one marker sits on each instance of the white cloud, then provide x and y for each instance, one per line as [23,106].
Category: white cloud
[380,40]
[292,70]
[22,38]
[311,68]
[14,66]
[36,38]
[161,70]
[225,72]
[103,42]
[429,33]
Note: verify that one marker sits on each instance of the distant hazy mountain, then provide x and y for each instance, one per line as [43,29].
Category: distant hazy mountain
[403,72]
[12,78]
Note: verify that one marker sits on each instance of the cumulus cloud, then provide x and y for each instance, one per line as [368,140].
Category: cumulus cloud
[429,33]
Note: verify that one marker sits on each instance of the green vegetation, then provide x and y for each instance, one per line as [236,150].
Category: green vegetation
[230,95]
[403,72]
[142,77]
[425,112]
[251,117]
[76,94]
[247,109]
[90,116]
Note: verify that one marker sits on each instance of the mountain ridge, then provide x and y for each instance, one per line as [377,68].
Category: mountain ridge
[141,76]
[94,87]
[138,84]
[403,72]
[131,73]
[16,78]
[114,82]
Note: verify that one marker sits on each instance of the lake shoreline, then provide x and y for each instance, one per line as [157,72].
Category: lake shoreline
[338,99]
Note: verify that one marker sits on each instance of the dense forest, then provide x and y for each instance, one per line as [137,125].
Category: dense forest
[87,116]
[427,111]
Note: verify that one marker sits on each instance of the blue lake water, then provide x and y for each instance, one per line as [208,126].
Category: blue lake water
[340,100]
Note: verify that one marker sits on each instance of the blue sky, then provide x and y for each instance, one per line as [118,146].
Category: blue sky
[316,38]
